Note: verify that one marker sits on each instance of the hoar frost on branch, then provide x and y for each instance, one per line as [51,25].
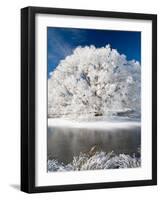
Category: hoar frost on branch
[94,82]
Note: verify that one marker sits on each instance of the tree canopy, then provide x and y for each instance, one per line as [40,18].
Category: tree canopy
[94,82]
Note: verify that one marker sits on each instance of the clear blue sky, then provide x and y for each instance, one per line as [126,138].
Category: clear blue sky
[62,41]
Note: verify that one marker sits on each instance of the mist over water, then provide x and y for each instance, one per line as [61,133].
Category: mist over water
[66,142]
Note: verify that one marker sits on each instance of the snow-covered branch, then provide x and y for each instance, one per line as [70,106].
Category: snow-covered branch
[94,82]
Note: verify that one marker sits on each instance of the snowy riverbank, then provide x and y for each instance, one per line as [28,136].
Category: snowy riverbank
[101,124]
[100,160]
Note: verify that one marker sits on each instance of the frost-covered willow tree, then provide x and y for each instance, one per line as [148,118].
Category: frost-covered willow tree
[94,82]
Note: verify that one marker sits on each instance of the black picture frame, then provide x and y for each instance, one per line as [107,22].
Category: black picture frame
[28,98]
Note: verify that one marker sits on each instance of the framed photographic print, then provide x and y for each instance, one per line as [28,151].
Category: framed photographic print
[88,99]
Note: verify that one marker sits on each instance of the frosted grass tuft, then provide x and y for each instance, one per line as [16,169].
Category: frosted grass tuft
[96,161]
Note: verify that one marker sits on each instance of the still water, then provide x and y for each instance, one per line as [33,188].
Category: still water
[64,143]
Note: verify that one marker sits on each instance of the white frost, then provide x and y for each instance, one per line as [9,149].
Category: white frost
[57,122]
[100,160]
[94,82]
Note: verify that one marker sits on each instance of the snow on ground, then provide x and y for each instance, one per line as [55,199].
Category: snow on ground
[59,122]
